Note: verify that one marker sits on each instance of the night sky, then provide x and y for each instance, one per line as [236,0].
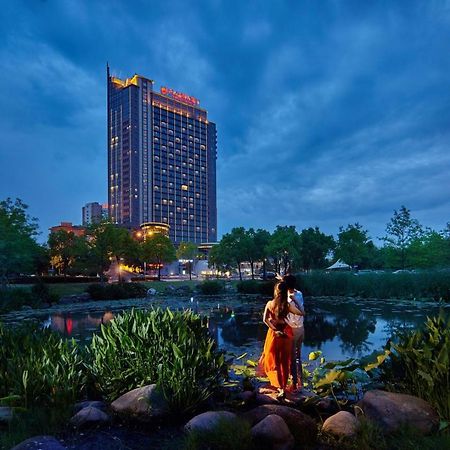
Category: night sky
[327,113]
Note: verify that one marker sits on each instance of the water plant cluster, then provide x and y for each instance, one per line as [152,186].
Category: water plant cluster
[172,349]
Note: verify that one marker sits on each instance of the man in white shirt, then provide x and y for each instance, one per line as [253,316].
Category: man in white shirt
[296,323]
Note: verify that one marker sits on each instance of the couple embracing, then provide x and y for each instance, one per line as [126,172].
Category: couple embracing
[281,356]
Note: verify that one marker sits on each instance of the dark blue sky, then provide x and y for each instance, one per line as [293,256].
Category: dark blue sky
[327,112]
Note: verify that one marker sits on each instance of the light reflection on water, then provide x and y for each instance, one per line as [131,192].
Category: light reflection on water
[341,328]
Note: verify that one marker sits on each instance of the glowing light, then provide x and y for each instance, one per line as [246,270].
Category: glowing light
[180,96]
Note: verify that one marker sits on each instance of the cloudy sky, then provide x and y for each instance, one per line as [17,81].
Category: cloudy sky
[328,113]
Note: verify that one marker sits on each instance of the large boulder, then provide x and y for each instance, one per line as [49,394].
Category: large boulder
[40,443]
[302,427]
[144,404]
[94,403]
[272,433]
[391,410]
[341,424]
[209,420]
[89,417]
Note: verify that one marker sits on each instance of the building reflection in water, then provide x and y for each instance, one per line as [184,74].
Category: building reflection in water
[77,325]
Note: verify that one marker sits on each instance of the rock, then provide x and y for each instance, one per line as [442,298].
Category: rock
[26,308]
[40,443]
[391,410]
[144,403]
[267,399]
[302,427]
[88,417]
[6,414]
[341,424]
[94,403]
[151,291]
[326,405]
[207,421]
[272,432]
[246,396]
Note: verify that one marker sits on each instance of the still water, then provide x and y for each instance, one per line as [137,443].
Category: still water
[341,328]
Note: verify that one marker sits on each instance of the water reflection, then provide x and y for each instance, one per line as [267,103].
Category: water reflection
[340,328]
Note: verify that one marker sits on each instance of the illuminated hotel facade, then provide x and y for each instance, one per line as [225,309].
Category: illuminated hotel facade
[162,153]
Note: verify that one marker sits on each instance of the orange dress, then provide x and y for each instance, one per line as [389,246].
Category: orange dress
[275,361]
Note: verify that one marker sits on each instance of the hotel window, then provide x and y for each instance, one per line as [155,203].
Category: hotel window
[184,221]
[184,188]
[156,205]
[164,201]
[156,188]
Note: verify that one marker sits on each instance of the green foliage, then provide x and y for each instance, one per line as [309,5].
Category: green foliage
[226,435]
[41,292]
[354,246]
[39,367]
[19,251]
[255,287]
[13,298]
[172,349]
[401,231]
[421,364]
[65,248]
[314,247]
[421,285]
[211,287]
[189,252]
[284,247]
[116,291]
[158,249]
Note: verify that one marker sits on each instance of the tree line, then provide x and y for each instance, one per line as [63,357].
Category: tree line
[406,244]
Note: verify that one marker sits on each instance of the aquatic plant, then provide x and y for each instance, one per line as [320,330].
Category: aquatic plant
[420,364]
[39,367]
[173,349]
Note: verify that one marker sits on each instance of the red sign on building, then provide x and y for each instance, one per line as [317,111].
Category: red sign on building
[180,96]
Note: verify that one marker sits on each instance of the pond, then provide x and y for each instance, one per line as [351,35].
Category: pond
[340,327]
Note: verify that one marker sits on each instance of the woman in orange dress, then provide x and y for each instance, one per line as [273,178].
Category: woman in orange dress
[275,361]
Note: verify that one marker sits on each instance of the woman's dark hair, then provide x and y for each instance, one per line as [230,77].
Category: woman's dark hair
[281,300]
[290,281]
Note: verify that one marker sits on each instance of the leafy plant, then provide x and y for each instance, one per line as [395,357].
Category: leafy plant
[173,349]
[420,364]
[39,367]
[116,291]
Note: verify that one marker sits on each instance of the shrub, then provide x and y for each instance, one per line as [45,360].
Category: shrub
[173,349]
[42,293]
[256,287]
[420,364]
[39,367]
[211,287]
[116,291]
[14,298]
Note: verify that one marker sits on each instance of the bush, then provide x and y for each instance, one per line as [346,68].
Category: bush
[14,298]
[173,349]
[39,367]
[116,291]
[420,364]
[211,287]
[41,292]
[256,287]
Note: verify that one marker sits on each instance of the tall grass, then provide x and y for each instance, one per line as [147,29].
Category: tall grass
[423,285]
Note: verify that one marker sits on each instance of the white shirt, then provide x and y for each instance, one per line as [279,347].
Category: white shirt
[294,320]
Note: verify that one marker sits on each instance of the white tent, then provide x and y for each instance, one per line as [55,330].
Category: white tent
[338,265]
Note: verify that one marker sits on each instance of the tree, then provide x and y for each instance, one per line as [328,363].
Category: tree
[353,245]
[314,247]
[261,239]
[234,246]
[220,257]
[401,231]
[19,250]
[108,241]
[188,251]
[284,247]
[158,249]
[429,251]
[65,247]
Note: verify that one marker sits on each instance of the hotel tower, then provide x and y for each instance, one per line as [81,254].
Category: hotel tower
[162,153]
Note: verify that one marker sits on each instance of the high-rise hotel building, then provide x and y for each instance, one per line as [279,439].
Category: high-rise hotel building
[161,160]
